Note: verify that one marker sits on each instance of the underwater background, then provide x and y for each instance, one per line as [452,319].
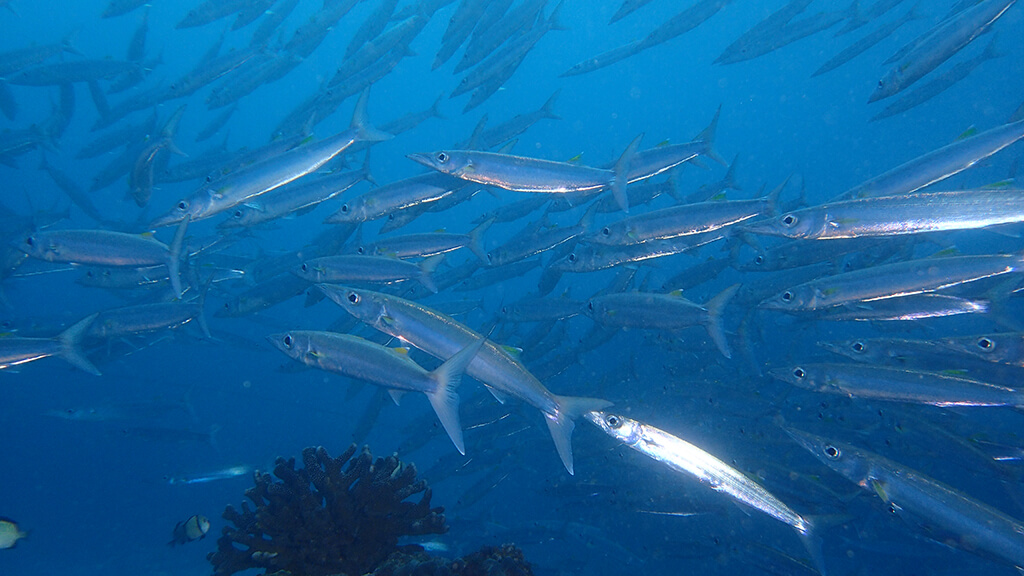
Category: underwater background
[96,469]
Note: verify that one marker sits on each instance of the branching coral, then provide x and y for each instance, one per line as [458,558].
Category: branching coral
[339,515]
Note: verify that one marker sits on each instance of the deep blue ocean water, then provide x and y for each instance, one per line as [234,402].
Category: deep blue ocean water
[95,496]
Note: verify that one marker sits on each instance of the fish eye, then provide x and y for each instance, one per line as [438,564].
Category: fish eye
[831,452]
[238,214]
[489,258]
[789,220]
[787,296]
[183,205]
[759,259]
[986,344]
[360,250]
[70,410]
[590,306]
[288,340]
[857,346]
[799,373]
[572,258]
[606,231]
[880,83]
[442,157]
[305,268]
[353,297]
[613,421]
[344,208]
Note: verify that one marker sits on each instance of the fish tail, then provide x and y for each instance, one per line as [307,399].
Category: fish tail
[812,543]
[773,197]
[67,43]
[621,177]
[562,424]
[445,399]
[729,182]
[548,109]
[202,307]
[714,326]
[365,170]
[554,20]
[174,260]
[475,235]
[435,110]
[673,187]
[71,340]
[707,136]
[361,125]
[427,268]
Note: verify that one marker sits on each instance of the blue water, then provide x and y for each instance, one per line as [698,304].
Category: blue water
[95,496]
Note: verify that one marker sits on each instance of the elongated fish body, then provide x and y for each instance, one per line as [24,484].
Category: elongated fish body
[1006,348]
[898,385]
[290,199]
[272,173]
[898,215]
[906,308]
[107,248]
[977,525]
[521,174]
[128,320]
[594,257]
[684,457]
[119,7]
[15,351]
[442,337]
[937,85]
[210,11]
[64,72]
[661,312]
[356,357]
[357,268]
[271,292]
[516,173]
[681,220]
[941,43]
[400,195]
[225,474]
[892,281]
[938,164]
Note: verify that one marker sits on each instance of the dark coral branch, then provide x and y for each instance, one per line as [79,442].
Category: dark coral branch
[339,515]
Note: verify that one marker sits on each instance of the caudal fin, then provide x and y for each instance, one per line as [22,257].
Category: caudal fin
[427,268]
[707,136]
[562,424]
[714,327]
[71,350]
[621,177]
[445,399]
[475,245]
[174,256]
[361,126]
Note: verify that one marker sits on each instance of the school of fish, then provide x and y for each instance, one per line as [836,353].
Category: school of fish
[826,319]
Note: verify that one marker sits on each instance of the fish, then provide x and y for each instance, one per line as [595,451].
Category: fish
[899,385]
[662,312]
[392,369]
[294,198]
[10,533]
[195,528]
[225,474]
[977,526]
[15,351]
[262,177]
[107,248]
[358,268]
[938,45]
[522,174]
[904,214]
[896,280]
[442,337]
[938,84]
[684,457]
[866,42]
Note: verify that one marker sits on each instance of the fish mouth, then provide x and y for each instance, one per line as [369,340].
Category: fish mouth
[420,158]
[167,220]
